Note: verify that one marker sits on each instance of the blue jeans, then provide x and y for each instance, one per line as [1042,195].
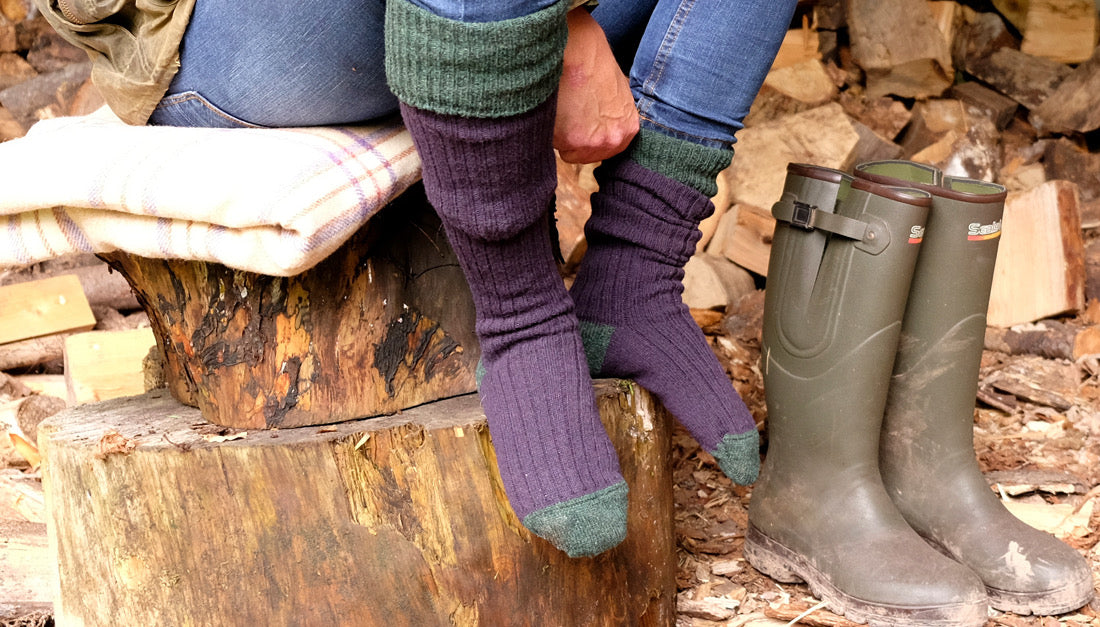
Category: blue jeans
[696,65]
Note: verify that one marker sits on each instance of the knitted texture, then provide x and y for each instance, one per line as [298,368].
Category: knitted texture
[476,69]
[694,165]
[628,295]
[492,181]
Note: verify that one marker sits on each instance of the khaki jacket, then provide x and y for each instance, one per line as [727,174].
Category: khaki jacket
[133,45]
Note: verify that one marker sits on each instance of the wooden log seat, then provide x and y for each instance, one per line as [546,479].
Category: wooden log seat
[399,520]
[383,324]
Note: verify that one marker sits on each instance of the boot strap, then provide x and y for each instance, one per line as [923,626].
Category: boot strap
[809,217]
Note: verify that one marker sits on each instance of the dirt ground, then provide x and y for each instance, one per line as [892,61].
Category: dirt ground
[1021,447]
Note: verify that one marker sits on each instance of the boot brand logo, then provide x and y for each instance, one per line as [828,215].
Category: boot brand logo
[916,234]
[977,231]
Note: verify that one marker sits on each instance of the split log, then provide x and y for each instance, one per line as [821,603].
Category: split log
[885,116]
[384,323]
[900,47]
[996,107]
[980,36]
[713,282]
[1027,79]
[399,520]
[749,240]
[1051,339]
[1075,104]
[1062,159]
[33,352]
[972,150]
[872,146]
[1040,270]
[823,136]
[792,89]
[1061,30]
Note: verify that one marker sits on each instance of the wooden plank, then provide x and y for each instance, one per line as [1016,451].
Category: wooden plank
[1040,269]
[106,364]
[398,520]
[36,308]
[45,384]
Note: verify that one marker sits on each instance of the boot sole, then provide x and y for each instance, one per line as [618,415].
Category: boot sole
[1070,597]
[784,565]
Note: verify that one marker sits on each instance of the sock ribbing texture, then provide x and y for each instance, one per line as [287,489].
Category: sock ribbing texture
[628,294]
[492,180]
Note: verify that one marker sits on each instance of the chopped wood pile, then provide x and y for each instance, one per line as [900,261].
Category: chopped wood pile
[1006,91]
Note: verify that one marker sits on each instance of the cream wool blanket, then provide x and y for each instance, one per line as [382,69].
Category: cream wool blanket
[271,201]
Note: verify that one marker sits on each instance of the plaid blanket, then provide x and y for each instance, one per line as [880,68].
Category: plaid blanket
[271,201]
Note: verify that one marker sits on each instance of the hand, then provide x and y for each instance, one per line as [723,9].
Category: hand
[596,116]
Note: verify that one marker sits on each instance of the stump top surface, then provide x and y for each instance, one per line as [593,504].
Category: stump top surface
[157,420]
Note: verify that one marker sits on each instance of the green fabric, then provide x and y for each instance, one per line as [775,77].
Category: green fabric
[692,164]
[584,526]
[596,338]
[481,70]
[737,454]
[134,49]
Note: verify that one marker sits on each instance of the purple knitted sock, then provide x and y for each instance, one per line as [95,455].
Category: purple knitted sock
[492,180]
[643,229]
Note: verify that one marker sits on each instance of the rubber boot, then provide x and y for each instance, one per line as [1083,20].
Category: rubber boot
[837,282]
[927,450]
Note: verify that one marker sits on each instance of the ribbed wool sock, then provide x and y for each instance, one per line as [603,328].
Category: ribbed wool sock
[628,294]
[491,177]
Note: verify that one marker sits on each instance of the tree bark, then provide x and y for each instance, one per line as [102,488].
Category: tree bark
[384,323]
[391,521]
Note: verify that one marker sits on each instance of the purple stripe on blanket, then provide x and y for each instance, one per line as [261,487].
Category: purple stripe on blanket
[15,236]
[73,234]
[164,235]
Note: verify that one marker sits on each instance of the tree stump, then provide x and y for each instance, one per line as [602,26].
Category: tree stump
[400,520]
[384,323]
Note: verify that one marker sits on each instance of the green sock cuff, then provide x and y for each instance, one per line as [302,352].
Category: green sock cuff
[473,69]
[738,456]
[595,338]
[584,526]
[694,165]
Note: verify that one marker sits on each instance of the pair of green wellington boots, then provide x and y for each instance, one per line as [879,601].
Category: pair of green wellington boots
[874,324]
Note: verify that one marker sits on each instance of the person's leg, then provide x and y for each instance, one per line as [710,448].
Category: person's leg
[292,64]
[479,99]
[697,70]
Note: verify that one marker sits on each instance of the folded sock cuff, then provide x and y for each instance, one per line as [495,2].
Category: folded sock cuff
[692,164]
[473,69]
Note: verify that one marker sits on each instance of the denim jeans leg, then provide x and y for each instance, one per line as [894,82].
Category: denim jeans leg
[482,11]
[297,64]
[701,62]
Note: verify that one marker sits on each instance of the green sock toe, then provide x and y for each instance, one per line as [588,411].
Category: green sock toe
[738,456]
[596,338]
[585,526]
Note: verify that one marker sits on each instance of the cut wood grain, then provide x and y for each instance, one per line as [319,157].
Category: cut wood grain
[1027,79]
[37,308]
[106,364]
[1060,30]
[26,572]
[1040,270]
[822,136]
[399,520]
[900,47]
[750,241]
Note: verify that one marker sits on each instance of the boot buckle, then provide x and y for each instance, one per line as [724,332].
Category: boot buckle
[802,215]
